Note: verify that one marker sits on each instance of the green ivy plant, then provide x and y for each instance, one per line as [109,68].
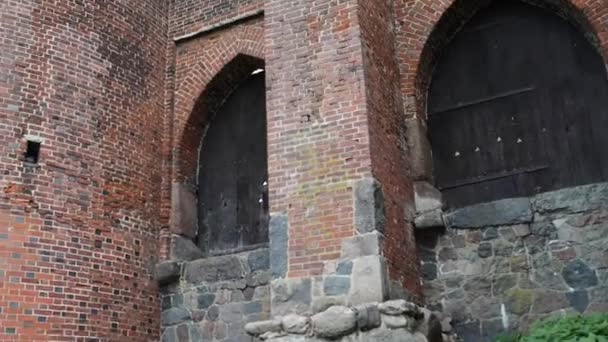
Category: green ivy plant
[592,328]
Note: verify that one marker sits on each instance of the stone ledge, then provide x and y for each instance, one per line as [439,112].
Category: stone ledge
[508,211]
[402,320]
[167,272]
[498,213]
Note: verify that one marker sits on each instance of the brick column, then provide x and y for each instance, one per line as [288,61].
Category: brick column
[329,212]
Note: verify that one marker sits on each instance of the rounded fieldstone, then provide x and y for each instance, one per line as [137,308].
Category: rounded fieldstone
[174,316]
[259,328]
[399,307]
[368,316]
[578,275]
[334,322]
[447,253]
[485,250]
[490,234]
[395,322]
[259,260]
[579,300]
[429,271]
[213,313]
[296,324]
[206,300]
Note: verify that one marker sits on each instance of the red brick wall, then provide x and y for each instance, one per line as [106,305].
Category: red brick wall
[387,140]
[189,16]
[317,124]
[189,74]
[198,62]
[79,231]
[206,69]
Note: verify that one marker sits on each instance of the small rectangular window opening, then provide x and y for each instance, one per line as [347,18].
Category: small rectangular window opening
[33,152]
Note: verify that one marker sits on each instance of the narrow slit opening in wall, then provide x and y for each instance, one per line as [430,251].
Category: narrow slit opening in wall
[32,153]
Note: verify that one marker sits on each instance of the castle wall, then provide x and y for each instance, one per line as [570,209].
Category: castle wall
[502,265]
[79,229]
[119,93]
[211,299]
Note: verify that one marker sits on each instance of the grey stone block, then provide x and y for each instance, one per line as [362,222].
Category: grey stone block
[368,316]
[427,197]
[321,304]
[183,332]
[336,285]
[484,250]
[419,149]
[259,260]
[486,308]
[579,300]
[573,200]
[214,269]
[578,275]
[399,307]
[259,328]
[213,313]
[362,245]
[184,213]
[549,301]
[296,324]
[428,271]
[431,327]
[291,296]
[429,219]
[183,249]
[169,335]
[279,236]
[498,213]
[344,268]
[369,206]
[334,322]
[206,300]
[167,272]
[369,280]
[252,308]
[395,322]
[174,316]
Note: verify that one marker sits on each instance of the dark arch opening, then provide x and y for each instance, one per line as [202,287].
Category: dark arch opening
[516,106]
[232,172]
[459,14]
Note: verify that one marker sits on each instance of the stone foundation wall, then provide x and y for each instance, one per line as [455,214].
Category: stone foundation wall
[212,299]
[396,320]
[502,265]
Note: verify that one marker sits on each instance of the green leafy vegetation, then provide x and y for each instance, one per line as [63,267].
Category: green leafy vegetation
[592,328]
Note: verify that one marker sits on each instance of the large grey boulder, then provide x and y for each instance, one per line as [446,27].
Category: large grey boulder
[334,322]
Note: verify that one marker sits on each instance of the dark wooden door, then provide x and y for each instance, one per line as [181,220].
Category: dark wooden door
[233,201]
[517,105]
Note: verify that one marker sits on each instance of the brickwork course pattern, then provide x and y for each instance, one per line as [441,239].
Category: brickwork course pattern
[117,91]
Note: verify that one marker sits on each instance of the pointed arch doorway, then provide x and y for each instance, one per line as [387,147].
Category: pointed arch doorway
[232,174]
[517,105]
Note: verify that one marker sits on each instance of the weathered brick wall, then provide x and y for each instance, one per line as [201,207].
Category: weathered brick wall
[208,54]
[388,141]
[317,128]
[78,231]
[189,16]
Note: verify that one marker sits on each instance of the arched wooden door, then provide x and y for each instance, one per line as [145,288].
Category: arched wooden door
[518,104]
[233,173]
